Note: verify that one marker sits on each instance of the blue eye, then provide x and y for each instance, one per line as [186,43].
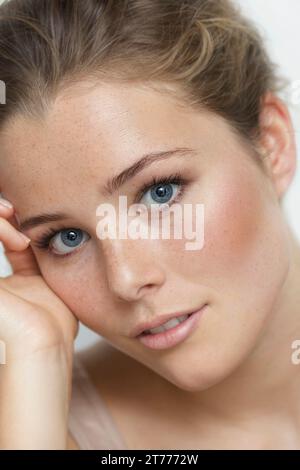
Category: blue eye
[66,240]
[62,242]
[161,193]
[161,190]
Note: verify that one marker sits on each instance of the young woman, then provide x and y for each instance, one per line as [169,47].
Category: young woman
[165,101]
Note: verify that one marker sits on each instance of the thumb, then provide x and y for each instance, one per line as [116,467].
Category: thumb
[22,262]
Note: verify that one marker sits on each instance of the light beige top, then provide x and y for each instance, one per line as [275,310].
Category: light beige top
[90,421]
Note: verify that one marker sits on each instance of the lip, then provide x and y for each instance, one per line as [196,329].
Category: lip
[174,335]
[159,320]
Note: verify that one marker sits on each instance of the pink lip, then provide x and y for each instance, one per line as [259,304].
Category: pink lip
[174,335]
[159,320]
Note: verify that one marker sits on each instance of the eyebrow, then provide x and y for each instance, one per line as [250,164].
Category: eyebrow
[113,184]
[117,181]
[41,219]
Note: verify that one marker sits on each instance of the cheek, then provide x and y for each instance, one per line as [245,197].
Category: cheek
[240,271]
[243,264]
[79,284]
[245,240]
[235,230]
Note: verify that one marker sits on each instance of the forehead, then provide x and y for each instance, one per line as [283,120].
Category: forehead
[92,132]
[93,117]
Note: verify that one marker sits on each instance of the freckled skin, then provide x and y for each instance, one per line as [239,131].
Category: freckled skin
[242,271]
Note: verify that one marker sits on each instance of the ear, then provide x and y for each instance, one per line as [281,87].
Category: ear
[277,143]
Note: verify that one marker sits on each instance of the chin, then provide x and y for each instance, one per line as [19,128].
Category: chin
[194,375]
[196,381]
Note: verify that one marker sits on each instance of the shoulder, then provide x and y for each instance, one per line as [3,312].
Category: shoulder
[123,384]
[98,372]
[71,443]
[87,364]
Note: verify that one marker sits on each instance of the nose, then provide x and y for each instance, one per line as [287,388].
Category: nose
[132,269]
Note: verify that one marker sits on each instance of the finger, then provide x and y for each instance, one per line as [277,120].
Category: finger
[11,237]
[16,249]
[5,205]
[23,262]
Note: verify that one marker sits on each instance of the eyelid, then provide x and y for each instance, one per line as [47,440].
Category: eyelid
[175,197]
[43,243]
[76,248]
[174,178]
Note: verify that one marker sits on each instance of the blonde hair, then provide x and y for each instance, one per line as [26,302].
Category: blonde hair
[207,48]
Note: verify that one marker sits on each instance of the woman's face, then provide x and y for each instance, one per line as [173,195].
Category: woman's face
[63,164]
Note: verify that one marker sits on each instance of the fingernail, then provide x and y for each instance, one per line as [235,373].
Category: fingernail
[24,237]
[6,203]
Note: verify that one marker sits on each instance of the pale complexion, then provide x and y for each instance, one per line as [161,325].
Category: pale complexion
[231,384]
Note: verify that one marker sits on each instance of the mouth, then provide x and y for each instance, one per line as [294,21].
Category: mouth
[172,332]
[167,325]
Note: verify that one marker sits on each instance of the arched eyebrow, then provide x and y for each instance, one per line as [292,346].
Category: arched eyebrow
[113,184]
[117,181]
[41,219]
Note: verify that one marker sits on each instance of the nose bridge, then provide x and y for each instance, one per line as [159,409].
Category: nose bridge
[131,268]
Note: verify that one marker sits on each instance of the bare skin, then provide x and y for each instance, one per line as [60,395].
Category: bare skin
[231,384]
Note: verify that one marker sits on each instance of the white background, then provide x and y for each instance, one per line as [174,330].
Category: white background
[278,21]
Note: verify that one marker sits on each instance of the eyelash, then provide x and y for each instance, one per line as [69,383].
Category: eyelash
[175,178]
[43,243]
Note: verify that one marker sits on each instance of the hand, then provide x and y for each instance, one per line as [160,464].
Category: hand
[32,317]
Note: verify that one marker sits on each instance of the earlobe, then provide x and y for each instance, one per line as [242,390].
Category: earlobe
[277,143]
